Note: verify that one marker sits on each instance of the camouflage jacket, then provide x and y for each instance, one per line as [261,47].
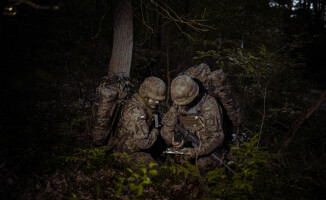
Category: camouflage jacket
[203,120]
[134,132]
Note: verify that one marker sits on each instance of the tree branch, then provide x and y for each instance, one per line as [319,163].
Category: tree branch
[305,116]
[168,13]
[10,9]
[33,4]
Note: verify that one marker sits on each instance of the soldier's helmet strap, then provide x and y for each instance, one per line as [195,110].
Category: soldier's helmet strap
[149,110]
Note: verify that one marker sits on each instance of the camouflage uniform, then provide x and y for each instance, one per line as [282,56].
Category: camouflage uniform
[135,132]
[204,119]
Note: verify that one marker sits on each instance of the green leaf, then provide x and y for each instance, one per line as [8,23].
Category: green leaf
[132,186]
[140,190]
[152,164]
[144,170]
[131,179]
[146,181]
[136,175]
[130,170]
[153,172]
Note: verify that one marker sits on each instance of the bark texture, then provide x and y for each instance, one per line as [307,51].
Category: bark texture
[120,61]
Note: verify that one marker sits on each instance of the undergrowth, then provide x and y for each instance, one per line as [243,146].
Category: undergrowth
[170,180]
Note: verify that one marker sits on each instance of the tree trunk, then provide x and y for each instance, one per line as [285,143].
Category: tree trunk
[120,61]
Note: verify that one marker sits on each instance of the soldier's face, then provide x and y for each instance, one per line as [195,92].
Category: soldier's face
[153,103]
[186,108]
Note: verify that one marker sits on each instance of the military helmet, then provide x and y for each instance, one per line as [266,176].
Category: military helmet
[183,90]
[153,88]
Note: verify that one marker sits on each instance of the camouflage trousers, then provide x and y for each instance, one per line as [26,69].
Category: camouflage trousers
[206,164]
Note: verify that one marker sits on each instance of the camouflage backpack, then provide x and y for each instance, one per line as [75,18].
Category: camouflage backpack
[111,94]
[217,86]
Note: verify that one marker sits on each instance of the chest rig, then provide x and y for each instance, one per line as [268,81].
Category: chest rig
[192,120]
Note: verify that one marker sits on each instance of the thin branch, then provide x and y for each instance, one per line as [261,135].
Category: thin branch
[168,74]
[255,109]
[33,4]
[168,13]
[305,116]
[187,34]
[142,16]
[264,110]
[145,39]
[203,15]
[11,10]
[100,25]
[179,66]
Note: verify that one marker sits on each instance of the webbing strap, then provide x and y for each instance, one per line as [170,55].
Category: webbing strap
[149,110]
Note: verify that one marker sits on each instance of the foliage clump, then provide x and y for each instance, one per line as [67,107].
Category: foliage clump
[169,179]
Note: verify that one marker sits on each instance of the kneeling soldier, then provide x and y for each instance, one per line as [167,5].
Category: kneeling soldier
[200,115]
[135,130]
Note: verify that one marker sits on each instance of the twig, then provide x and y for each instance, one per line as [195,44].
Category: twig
[254,109]
[305,116]
[168,13]
[100,25]
[145,38]
[179,66]
[33,4]
[168,74]
[264,110]
[11,10]
[142,16]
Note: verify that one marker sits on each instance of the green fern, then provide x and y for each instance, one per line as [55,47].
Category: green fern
[137,177]
[249,159]
[96,157]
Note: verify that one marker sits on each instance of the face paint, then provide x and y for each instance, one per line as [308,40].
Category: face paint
[153,103]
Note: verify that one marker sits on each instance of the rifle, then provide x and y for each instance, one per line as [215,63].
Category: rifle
[195,143]
[113,122]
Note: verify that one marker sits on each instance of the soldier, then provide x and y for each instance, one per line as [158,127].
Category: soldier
[198,113]
[135,131]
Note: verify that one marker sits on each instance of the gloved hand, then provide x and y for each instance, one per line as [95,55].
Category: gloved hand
[189,153]
[177,144]
[155,131]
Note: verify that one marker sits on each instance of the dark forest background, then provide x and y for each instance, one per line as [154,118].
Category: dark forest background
[273,52]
